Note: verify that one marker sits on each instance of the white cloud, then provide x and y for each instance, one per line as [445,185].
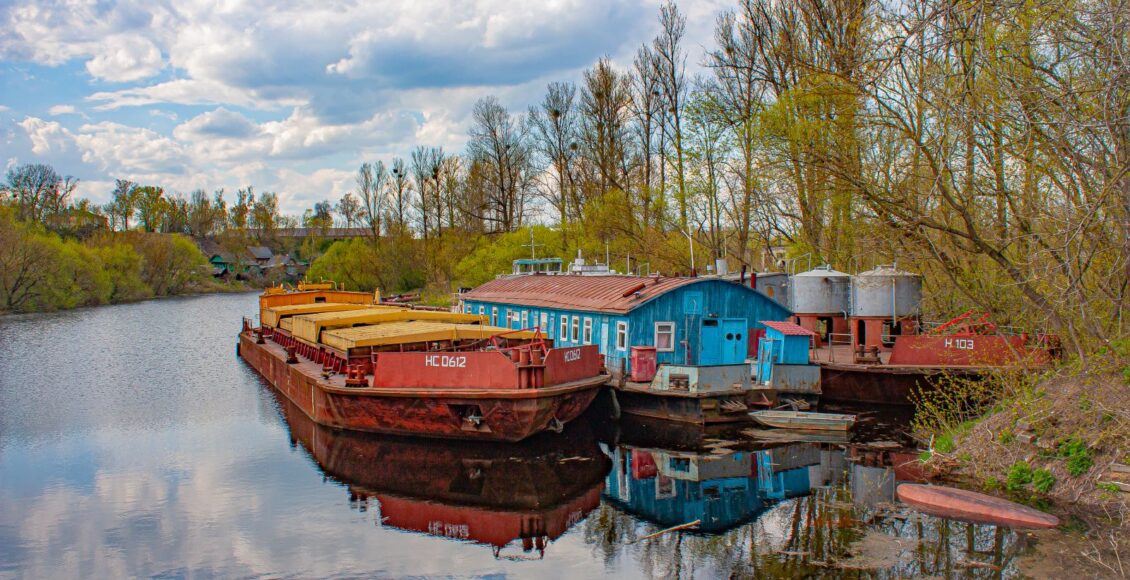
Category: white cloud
[61,110]
[122,58]
[47,137]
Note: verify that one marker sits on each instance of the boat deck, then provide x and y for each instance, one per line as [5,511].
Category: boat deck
[841,357]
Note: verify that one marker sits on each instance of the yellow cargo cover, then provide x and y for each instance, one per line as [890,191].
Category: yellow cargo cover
[272,316]
[413,331]
[309,327]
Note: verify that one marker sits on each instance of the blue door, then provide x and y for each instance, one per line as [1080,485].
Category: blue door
[734,347]
[710,343]
[723,341]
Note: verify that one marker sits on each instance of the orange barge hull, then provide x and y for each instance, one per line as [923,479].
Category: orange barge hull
[457,412]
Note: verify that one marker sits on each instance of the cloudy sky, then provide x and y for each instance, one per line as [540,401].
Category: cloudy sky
[289,96]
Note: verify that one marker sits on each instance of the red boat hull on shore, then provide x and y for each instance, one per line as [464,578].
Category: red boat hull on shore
[509,414]
[962,504]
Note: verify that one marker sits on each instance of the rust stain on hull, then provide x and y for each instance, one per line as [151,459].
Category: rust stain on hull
[484,414]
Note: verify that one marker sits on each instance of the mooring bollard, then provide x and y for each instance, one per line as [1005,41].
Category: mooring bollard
[291,357]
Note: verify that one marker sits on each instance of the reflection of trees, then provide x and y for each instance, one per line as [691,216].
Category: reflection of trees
[807,537]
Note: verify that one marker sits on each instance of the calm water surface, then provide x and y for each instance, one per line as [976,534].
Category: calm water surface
[133,442]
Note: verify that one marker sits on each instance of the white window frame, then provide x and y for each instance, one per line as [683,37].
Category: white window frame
[575,330]
[621,335]
[564,334]
[482,310]
[544,319]
[494,316]
[670,326]
[586,331]
[525,319]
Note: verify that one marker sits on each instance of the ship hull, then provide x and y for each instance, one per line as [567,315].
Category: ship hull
[499,414]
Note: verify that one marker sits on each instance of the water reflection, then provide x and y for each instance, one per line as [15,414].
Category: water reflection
[780,510]
[503,495]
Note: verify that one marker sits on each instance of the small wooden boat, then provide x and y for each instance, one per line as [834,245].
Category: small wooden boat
[804,420]
[961,504]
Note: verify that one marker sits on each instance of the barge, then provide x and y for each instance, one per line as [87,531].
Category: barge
[396,370]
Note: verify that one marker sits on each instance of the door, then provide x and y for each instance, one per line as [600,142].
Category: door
[734,349]
[723,342]
[710,342]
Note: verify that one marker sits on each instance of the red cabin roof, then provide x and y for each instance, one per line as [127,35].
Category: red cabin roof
[788,328]
[613,294]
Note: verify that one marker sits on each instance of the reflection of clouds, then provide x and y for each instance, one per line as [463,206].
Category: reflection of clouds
[232,499]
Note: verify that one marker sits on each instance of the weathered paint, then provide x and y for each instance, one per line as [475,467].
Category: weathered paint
[502,414]
[521,493]
[966,350]
[685,305]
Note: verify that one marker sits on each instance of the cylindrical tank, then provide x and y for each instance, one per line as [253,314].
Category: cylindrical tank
[821,290]
[774,285]
[886,292]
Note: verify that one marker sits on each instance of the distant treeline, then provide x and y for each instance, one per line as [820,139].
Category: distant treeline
[40,270]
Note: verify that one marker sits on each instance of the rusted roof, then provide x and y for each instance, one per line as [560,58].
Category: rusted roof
[613,294]
[788,328]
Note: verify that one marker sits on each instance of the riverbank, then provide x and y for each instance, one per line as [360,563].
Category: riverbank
[203,289]
[1062,444]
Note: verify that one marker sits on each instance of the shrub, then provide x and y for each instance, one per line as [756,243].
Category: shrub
[1043,480]
[1078,456]
[1019,475]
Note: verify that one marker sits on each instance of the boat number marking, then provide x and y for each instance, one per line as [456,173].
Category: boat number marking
[442,528]
[573,354]
[454,362]
[960,343]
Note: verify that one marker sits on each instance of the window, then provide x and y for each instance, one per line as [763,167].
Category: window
[576,334]
[664,336]
[467,308]
[544,321]
[525,319]
[564,334]
[494,316]
[482,310]
[621,336]
[588,331]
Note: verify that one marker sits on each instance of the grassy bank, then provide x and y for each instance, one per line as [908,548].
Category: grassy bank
[1057,440]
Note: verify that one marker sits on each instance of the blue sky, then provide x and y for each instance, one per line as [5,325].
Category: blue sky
[287,96]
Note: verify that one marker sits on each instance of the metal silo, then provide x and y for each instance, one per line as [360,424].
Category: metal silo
[821,290]
[886,292]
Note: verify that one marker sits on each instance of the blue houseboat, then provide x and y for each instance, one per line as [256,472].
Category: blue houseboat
[678,348]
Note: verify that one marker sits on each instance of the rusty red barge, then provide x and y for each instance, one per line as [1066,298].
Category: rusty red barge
[349,362]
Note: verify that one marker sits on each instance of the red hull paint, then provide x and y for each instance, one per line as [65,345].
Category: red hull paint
[506,414]
[479,491]
[971,506]
[965,350]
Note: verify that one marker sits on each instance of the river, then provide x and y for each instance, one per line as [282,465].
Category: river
[133,442]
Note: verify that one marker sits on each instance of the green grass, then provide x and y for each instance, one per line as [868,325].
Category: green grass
[1019,475]
[1078,456]
[1043,480]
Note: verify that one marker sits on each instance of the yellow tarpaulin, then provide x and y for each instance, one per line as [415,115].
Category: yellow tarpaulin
[309,327]
[272,316]
[413,331]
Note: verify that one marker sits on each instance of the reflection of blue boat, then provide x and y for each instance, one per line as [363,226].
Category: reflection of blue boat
[672,488]
[722,490]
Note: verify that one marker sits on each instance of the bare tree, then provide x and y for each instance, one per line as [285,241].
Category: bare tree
[670,62]
[372,180]
[38,191]
[349,209]
[400,190]
[554,130]
[499,143]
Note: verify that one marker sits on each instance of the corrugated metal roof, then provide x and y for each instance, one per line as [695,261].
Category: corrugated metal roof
[788,328]
[592,293]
